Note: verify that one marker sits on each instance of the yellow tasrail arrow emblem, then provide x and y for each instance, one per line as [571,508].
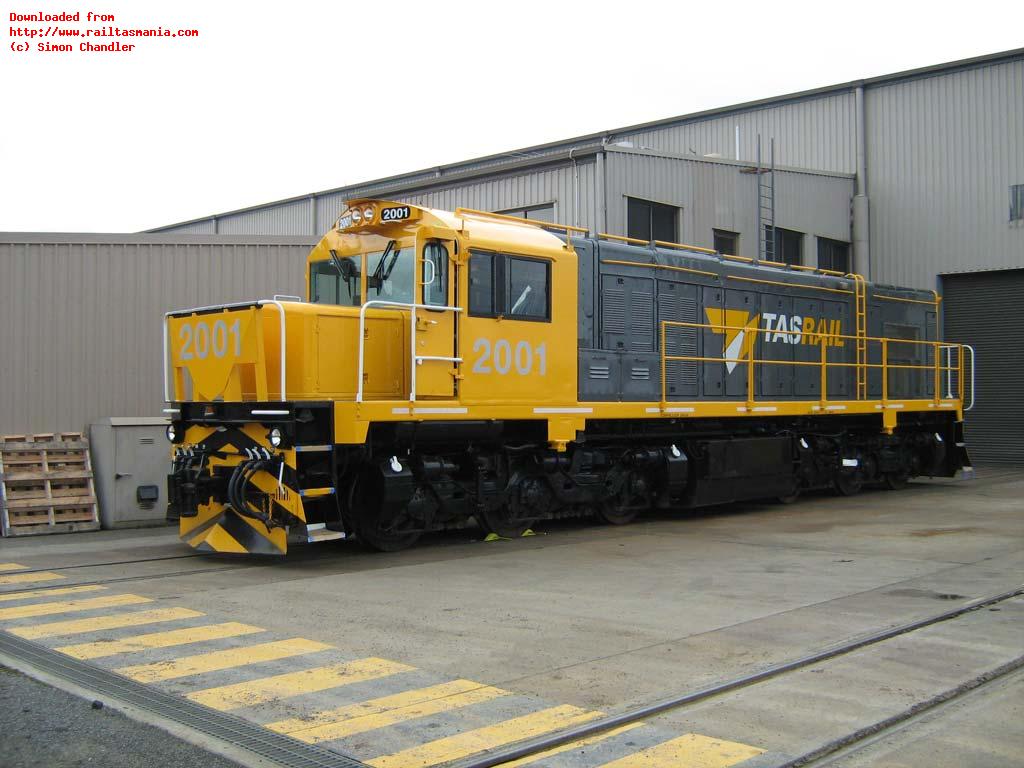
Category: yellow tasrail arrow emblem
[740,329]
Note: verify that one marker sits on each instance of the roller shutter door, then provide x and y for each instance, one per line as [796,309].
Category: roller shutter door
[986,310]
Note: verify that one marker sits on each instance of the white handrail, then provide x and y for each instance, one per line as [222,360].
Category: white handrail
[948,349]
[398,305]
[949,369]
[968,346]
[194,310]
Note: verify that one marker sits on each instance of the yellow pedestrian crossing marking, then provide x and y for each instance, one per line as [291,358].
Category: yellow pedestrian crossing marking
[8,596]
[481,739]
[98,623]
[216,660]
[691,750]
[295,683]
[12,567]
[374,706]
[29,578]
[88,604]
[165,639]
[388,710]
[530,759]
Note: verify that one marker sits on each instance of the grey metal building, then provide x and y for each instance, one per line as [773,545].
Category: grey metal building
[915,178]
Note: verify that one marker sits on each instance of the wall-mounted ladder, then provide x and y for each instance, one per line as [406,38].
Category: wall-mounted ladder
[765,202]
[860,291]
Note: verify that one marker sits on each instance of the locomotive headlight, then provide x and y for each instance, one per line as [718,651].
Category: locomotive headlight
[172,433]
[357,216]
[275,437]
[368,214]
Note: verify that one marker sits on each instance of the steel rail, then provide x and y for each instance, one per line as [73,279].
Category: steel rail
[541,744]
[852,742]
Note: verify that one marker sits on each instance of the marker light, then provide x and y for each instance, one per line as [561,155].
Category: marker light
[275,437]
[172,433]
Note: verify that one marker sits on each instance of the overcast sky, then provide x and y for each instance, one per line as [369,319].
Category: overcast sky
[280,99]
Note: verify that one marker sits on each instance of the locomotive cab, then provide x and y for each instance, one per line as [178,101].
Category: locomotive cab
[400,303]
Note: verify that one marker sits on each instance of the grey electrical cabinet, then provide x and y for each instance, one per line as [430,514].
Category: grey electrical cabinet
[131,459]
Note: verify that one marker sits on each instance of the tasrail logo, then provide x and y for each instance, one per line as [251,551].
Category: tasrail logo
[740,330]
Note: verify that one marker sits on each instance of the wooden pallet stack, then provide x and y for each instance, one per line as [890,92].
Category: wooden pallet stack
[46,485]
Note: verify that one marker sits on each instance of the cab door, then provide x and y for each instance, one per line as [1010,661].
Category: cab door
[435,333]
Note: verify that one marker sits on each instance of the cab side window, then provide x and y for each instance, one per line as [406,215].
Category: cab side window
[528,281]
[435,293]
[516,287]
[481,285]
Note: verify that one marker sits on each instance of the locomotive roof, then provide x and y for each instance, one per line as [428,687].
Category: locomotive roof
[490,231]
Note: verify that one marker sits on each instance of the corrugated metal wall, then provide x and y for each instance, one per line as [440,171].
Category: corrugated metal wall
[80,315]
[203,227]
[818,132]
[718,195]
[536,187]
[293,218]
[943,152]
[995,426]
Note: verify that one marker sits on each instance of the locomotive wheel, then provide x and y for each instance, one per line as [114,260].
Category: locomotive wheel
[848,485]
[615,515]
[365,501]
[790,498]
[499,522]
[385,541]
[529,499]
[896,481]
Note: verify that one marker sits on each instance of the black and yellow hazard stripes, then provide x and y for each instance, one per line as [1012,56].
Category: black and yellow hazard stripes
[269,490]
[388,713]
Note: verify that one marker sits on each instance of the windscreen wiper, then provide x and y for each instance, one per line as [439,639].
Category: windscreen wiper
[378,277]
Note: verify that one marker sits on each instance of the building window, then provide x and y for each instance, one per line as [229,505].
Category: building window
[514,287]
[1017,202]
[789,245]
[534,213]
[651,221]
[727,242]
[833,254]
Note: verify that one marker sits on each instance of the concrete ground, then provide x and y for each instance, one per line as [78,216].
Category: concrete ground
[44,726]
[501,639]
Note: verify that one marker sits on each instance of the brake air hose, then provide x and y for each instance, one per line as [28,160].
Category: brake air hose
[237,490]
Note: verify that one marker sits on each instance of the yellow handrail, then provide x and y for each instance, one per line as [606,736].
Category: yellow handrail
[824,340]
[464,212]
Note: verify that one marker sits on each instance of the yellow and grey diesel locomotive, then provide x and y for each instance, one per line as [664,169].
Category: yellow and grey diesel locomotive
[454,366]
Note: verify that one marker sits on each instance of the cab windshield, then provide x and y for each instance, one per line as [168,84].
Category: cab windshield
[336,282]
[389,277]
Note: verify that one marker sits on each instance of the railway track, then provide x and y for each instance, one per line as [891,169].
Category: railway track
[835,749]
[240,565]
[822,752]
